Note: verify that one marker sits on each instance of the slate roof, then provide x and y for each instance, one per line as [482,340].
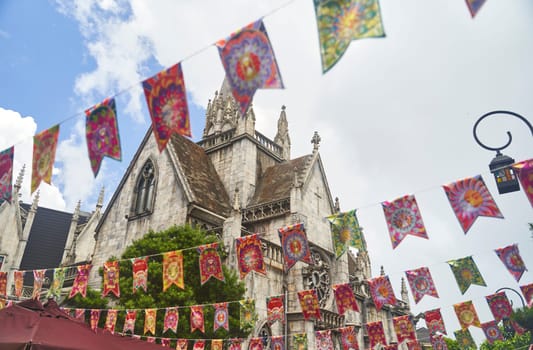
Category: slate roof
[204,182]
[276,181]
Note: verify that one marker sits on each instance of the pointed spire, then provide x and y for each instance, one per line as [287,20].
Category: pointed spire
[35,203]
[382,271]
[100,202]
[76,214]
[20,177]
[403,292]
[282,136]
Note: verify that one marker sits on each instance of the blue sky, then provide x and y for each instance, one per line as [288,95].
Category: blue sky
[395,114]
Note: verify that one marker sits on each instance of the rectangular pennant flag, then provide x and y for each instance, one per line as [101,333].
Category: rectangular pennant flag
[510,257]
[249,63]
[57,283]
[3,284]
[129,321]
[80,314]
[323,340]
[294,245]
[474,6]
[492,331]
[38,280]
[256,344]
[235,344]
[217,344]
[6,174]
[197,318]
[349,338]
[19,282]
[199,345]
[221,317]
[344,298]
[499,305]
[414,345]
[140,273]
[299,341]
[165,342]
[309,303]
[167,102]
[277,343]
[150,340]
[434,322]
[404,328]
[438,342]
[111,320]
[346,232]
[182,344]
[527,290]
[44,153]
[275,309]
[250,255]
[150,317]
[101,132]
[524,170]
[381,291]
[464,338]
[173,269]
[467,315]
[466,273]
[111,278]
[421,283]
[80,282]
[403,218]
[376,334]
[247,313]
[469,199]
[171,319]
[95,317]
[210,263]
[339,22]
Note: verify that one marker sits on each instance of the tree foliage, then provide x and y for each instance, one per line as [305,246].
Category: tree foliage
[515,342]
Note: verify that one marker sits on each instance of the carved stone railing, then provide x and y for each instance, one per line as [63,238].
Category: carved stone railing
[268,144]
[266,210]
[217,139]
[272,252]
[329,320]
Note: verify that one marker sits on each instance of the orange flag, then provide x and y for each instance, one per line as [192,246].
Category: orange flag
[173,269]
[467,315]
[44,152]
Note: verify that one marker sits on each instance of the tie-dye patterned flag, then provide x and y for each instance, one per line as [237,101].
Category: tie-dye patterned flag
[249,62]
[129,321]
[299,341]
[349,338]
[492,331]
[6,174]
[403,218]
[250,255]
[421,283]
[80,314]
[221,316]
[182,344]
[111,321]
[44,153]
[199,345]
[275,309]
[524,170]
[256,344]
[346,232]
[3,284]
[499,305]
[19,282]
[167,103]
[465,340]
[309,303]
[247,313]
[467,315]
[171,319]
[434,322]
[111,278]
[95,317]
[376,334]
[381,291]
[294,245]
[235,344]
[323,340]
[466,273]
[341,21]
[344,298]
[38,280]
[150,317]
[57,283]
[173,269]
[474,6]
[217,344]
[413,345]
[510,257]
[140,273]
[210,264]
[527,290]
[165,342]
[404,328]
[101,132]
[277,343]
[469,199]
[197,318]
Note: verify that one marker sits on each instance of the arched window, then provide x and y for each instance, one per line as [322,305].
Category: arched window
[145,190]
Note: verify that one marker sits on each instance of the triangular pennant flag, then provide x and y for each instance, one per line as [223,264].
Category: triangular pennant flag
[171,319]
[95,317]
[247,313]
[275,309]
[404,328]
[403,218]
[376,334]
[165,342]
[469,199]
[111,320]
[346,232]
[381,291]
[309,303]
[111,278]
[340,22]
[277,343]
[6,174]
[524,171]
[349,338]
[217,344]
[221,316]
[299,341]
[38,280]
[527,290]
[167,103]
[467,315]
[3,284]
[19,282]
[80,282]
[421,283]
[197,318]
[101,132]
[44,153]
[323,340]
[256,344]
[492,331]
[434,322]
[150,317]
[465,340]
[140,273]
[129,321]
[250,255]
[510,257]
[57,284]
[210,264]
[173,269]
[344,298]
[294,245]
[499,306]
[474,6]
[466,273]
[182,344]
[199,345]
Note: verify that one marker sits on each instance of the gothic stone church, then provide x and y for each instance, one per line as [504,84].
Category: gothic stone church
[237,181]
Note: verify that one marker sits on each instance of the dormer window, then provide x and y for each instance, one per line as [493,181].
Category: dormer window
[144,190]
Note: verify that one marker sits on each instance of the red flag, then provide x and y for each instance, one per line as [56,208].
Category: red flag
[275,309]
[294,245]
[95,317]
[197,318]
[524,170]
[80,282]
[250,255]
[492,331]
[309,303]
[44,152]
[19,283]
[323,340]
[434,322]
[404,328]
[510,257]
[499,306]
[111,278]
[140,273]
[38,279]
[349,338]
[210,264]
[527,290]
[129,321]
[111,320]
[256,344]
[403,218]
[6,174]
[3,284]
[381,291]
[221,319]
[421,283]
[171,319]
[345,298]
[376,334]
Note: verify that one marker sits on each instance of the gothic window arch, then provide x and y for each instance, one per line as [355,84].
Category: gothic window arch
[144,192]
[265,333]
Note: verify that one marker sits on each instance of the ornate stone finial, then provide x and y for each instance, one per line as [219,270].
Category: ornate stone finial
[337,205]
[100,202]
[315,141]
[35,203]
[236,200]
[76,214]
[18,183]
[382,271]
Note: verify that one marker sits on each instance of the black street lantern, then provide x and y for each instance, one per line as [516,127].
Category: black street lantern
[501,165]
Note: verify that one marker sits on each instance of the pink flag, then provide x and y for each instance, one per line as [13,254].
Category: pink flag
[44,153]
[95,317]
[492,331]
[403,218]
[344,298]
[111,320]
[309,303]
[376,334]
[256,344]
[349,338]
[38,279]
[171,319]
[323,340]
[381,291]
[129,321]
[182,344]
[404,328]
[199,345]
[197,318]
[510,257]
[434,322]
[6,174]
[421,283]
[499,305]
[527,290]
[80,282]
[524,170]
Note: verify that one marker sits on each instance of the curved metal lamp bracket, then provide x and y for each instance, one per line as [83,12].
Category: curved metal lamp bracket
[510,137]
[513,290]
